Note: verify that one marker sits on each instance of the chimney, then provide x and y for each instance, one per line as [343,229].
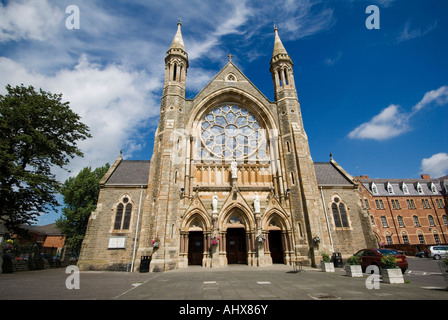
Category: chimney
[364,177]
[426,176]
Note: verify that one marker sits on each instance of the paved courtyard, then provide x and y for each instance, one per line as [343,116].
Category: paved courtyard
[278,282]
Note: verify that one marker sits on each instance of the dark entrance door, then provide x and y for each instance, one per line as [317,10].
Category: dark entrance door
[195,247]
[275,246]
[236,246]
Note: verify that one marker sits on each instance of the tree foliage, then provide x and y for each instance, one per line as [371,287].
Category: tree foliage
[37,133]
[80,198]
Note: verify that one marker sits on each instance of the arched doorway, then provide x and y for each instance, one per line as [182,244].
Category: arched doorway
[276,246]
[236,246]
[195,247]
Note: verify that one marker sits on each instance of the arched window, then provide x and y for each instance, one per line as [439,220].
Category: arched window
[400,221]
[123,215]
[339,213]
[416,221]
[431,221]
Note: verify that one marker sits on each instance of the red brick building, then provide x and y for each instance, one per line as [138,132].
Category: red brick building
[409,214]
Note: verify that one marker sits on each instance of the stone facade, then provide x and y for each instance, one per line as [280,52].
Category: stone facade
[231,180]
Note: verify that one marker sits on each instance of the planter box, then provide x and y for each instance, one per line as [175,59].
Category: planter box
[392,275]
[327,266]
[353,271]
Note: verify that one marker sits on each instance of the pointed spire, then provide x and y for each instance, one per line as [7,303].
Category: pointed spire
[278,45]
[178,41]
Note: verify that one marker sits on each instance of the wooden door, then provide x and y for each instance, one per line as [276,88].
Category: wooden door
[195,247]
[275,246]
[236,246]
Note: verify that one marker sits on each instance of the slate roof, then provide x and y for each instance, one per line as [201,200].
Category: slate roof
[130,172]
[398,190]
[327,174]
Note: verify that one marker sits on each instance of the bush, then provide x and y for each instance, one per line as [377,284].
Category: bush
[325,256]
[354,261]
[389,262]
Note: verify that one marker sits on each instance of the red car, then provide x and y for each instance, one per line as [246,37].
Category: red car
[373,257]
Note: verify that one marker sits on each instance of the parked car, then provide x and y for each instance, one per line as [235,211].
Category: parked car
[420,254]
[373,257]
[437,252]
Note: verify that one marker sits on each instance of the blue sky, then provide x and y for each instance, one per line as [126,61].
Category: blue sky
[376,99]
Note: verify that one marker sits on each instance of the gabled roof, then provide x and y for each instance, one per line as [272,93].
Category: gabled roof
[130,173]
[219,82]
[328,174]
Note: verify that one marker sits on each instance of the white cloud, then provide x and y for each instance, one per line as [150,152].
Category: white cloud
[33,20]
[113,101]
[389,123]
[436,165]
[438,96]
[408,33]
[332,61]
[392,122]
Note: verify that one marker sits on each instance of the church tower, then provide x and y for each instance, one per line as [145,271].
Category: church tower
[299,172]
[162,200]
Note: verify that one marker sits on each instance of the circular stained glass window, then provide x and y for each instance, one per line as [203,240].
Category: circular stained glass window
[232,132]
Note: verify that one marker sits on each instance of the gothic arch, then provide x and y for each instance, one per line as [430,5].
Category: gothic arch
[231,95]
[236,215]
[275,220]
[196,220]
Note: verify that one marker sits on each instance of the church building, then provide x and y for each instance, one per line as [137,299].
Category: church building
[231,181]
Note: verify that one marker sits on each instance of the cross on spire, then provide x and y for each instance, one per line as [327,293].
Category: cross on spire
[230,57]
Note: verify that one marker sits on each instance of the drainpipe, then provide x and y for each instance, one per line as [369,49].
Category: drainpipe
[136,228]
[326,219]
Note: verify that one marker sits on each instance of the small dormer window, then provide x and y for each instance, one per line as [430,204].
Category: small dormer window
[374,188]
[419,188]
[433,188]
[390,189]
[405,188]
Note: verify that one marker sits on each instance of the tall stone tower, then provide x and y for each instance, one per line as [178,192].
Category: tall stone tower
[231,181]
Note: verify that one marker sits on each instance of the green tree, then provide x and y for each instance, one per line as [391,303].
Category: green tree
[80,198]
[38,132]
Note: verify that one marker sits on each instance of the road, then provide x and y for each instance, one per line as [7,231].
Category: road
[424,271]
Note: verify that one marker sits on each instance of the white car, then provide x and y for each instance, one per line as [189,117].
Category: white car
[437,252]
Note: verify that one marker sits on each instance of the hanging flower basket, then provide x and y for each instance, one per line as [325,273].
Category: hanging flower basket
[214,240]
[316,239]
[156,242]
[260,238]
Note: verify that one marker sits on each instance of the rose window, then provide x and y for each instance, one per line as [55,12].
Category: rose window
[232,132]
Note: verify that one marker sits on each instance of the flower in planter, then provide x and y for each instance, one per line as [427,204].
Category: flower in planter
[389,262]
[155,243]
[316,239]
[325,257]
[214,240]
[353,261]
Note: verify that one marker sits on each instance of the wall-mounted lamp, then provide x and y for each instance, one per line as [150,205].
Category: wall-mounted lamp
[288,191]
[182,190]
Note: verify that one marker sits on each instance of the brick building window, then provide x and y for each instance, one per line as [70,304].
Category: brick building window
[405,238]
[436,238]
[389,239]
[395,204]
[425,204]
[416,221]
[339,214]
[367,203]
[445,219]
[384,222]
[379,204]
[439,203]
[421,238]
[411,204]
[123,215]
[400,221]
[431,221]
